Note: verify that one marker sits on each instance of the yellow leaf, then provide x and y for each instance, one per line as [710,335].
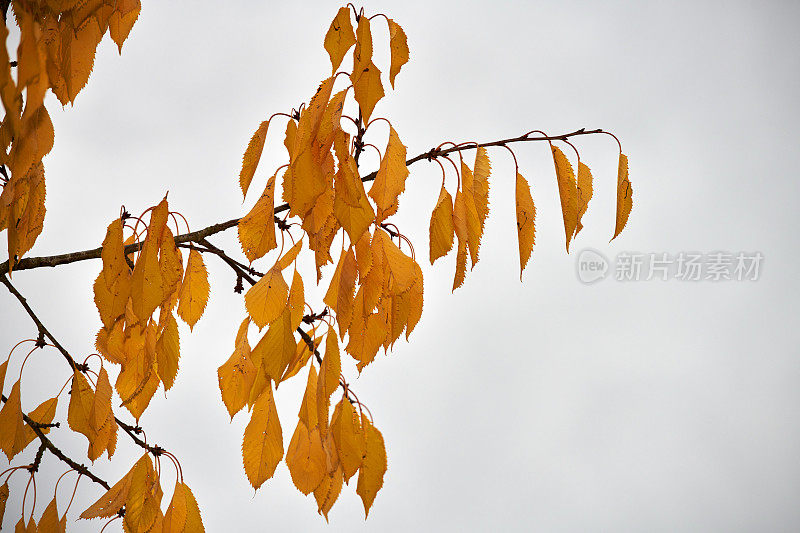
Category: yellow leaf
[460,226]
[348,438]
[147,289]
[340,292]
[35,141]
[170,262]
[28,222]
[101,404]
[350,205]
[474,223]
[624,195]
[266,300]
[194,291]
[122,20]
[305,458]
[362,55]
[78,49]
[308,408]
[183,514]
[373,468]
[584,193]
[81,405]
[3,500]
[480,184]
[328,379]
[143,503]
[252,156]
[49,522]
[399,264]
[526,222]
[297,301]
[168,352]
[289,257]
[116,274]
[391,178]
[257,228]
[328,492]
[236,378]
[301,356]
[567,190]
[398,43]
[106,439]
[277,346]
[113,500]
[262,447]
[44,414]
[367,87]
[441,228]
[340,37]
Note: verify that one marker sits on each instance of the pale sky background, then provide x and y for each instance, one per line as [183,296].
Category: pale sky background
[548,405]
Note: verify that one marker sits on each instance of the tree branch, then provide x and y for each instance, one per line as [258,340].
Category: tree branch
[28,263]
[52,448]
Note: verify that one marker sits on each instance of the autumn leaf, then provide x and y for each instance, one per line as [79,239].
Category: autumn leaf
[275,349]
[236,377]
[624,195]
[567,190]
[49,522]
[262,447]
[367,87]
[266,299]
[348,437]
[194,291]
[183,513]
[251,157]
[398,44]
[526,222]
[460,227]
[81,405]
[257,228]
[340,37]
[147,285]
[121,21]
[480,184]
[305,458]
[373,468]
[391,178]
[168,352]
[584,193]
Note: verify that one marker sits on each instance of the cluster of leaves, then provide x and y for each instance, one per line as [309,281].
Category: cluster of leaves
[374,294]
[58,40]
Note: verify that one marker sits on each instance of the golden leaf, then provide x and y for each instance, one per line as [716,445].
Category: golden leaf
[122,20]
[308,408]
[114,499]
[143,502]
[168,352]
[460,227]
[266,300]
[340,37]
[391,178]
[257,228]
[398,44]
[81,405]
[170,262]
[367,87]
[305,458]
[236,377]
[251,157]
[328,379]
[12,427]
[194,290]
[624,195]
[147,285]
[289,257]
[567,190]
[49,522]
[183,513]
[275,349]
[328,492]
[373,468]
[297,300]
[350,205]
[101,404]
[340,292]
[44,414]
[480,184]
[441,228]
[348,438]
[584,193]
[262,447]
[78,46]
[526,222]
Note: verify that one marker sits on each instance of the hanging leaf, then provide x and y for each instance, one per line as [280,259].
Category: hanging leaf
[194,291]
[252,155]
[262,447]
[526,222]
[266,299]
[624,195]
[373,468]
[340,37]
[398,44]
[236,377]
[584,193]
[257,228]
[567,190]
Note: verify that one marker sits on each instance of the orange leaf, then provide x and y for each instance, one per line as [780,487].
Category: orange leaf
[373,468]
[262,447]
[526,222]
[257,228]
[624,195]
[251,157]
[441,228]
[567,190]
[340,37]
[398,44]
[194,290]
[266,300]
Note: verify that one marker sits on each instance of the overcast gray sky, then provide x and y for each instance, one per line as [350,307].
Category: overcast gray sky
[549,405]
